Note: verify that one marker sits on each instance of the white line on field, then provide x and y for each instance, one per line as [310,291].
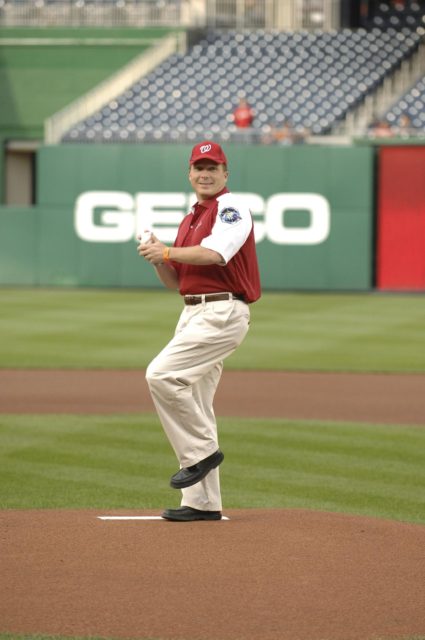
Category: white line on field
[138,518]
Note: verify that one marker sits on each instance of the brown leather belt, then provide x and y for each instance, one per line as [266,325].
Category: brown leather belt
[211,297]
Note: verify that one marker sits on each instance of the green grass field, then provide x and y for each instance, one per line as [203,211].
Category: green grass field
[124,461]
[126,328]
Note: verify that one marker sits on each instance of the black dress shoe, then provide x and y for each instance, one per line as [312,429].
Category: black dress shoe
[188,476]
[187,514]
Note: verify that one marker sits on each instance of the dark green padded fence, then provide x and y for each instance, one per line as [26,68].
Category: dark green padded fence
[312,207]
[47,68]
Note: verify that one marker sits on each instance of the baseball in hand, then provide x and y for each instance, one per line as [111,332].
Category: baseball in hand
[145,236]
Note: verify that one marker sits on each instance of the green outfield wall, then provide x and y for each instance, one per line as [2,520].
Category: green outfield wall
[2,172]
[312,207]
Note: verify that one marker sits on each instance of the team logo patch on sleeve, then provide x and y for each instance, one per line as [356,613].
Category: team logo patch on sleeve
[230,215]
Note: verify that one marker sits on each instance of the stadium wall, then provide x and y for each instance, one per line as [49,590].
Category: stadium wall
[2,172]
[312,209]
[42,70]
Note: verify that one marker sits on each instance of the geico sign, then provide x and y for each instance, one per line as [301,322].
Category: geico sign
[117,216]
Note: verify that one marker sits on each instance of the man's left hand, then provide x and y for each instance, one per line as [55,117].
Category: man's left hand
[153,251]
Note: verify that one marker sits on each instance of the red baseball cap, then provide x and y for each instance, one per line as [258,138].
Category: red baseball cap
[210,151]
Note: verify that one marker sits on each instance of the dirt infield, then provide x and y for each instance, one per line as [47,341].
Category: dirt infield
[388,399]
[262,575]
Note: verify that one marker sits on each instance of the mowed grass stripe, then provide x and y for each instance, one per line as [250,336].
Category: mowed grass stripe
[289,331]
[374,470]
[125,462]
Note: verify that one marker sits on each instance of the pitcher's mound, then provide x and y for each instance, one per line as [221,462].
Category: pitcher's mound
[261,575]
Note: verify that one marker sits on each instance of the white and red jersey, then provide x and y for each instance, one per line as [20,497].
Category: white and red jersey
[223,224]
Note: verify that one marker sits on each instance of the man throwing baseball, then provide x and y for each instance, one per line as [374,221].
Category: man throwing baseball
[213,264]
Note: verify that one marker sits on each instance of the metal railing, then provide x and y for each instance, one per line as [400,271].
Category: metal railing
[234,14]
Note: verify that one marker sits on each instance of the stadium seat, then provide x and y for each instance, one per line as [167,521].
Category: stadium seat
[311,79]
[412,105]
[397,15]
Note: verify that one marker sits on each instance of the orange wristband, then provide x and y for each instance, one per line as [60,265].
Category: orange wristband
[166,254]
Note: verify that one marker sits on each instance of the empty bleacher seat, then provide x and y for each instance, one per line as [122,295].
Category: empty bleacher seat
[397,15]
[309,78]
[412,105]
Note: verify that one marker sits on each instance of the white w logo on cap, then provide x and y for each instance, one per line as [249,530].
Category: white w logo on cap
[205,148]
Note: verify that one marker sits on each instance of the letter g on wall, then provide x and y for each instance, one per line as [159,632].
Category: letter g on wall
[116,225]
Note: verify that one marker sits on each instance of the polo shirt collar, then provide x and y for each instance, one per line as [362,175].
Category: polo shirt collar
[206,203]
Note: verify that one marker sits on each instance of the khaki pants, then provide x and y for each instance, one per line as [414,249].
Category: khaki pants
[183,379]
